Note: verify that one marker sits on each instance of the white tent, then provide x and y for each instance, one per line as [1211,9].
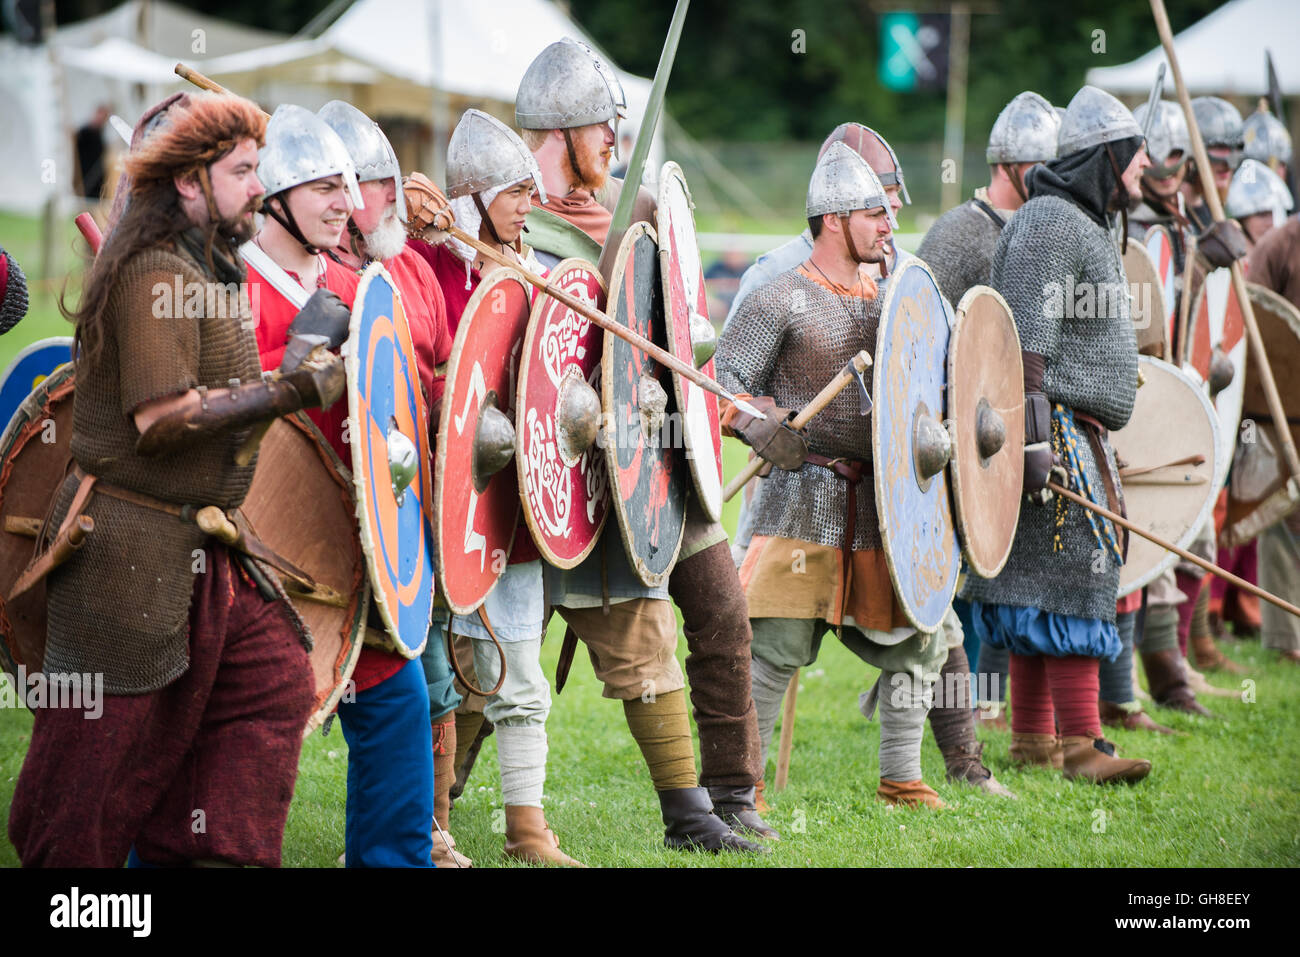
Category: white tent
[1222,55]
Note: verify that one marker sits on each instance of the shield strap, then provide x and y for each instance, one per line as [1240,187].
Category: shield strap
[851,471]
[455,664]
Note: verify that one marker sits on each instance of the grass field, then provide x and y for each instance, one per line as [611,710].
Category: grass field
[1226,794]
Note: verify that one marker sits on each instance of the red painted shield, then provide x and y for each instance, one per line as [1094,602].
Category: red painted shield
[640,432]
[565,496]
[1218,327]
[1161,250]
[684,294]
[475,516]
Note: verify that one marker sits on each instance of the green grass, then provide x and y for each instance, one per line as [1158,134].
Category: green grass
[21,238]
[1227,794]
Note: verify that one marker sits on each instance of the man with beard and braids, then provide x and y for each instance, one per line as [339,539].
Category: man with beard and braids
[206,675]
[958,248]
[567,105]
[1274,263]
[377,232]
[490,179]
[788,338]
[951,721]
[312,191]
[1053,605]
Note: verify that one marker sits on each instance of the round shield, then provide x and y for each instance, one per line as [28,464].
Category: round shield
[476,488]
[1217,357]
[28,369]
[687,309]
[301,505]
[391,467]
[34,456]
[986,405]
[1147,308]
[638,430]
[1160,250]
[1168,458]
[1279,327]
[563,482]
[911,446]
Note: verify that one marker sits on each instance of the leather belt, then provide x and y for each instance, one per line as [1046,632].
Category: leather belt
[851,471]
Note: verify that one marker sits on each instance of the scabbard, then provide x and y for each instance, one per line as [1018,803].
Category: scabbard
[68,540]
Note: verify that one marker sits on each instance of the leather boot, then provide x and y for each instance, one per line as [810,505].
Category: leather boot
[1117,716]
[735,806]
[1094,760]
[908,793]
[530,839]
[1044,749]
[472,729]
[444,773]
[1209,658]
[1168,681]
[964,766]
[991,718]
[690,824]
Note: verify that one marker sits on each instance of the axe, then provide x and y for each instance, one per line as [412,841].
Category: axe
[660,355]
[853,370]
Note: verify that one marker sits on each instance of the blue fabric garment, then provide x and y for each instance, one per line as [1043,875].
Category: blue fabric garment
[1032,631]
[438,675]
[390,773]
[1115,678]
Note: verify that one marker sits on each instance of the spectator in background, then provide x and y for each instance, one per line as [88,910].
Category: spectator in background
[723,280]
[90,154]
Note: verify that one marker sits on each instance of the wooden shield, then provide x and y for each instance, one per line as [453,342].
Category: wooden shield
[639,431]
[1147,305]
[1218,329]
[300,503]
[389,430]
[986,405]
[475,514]
[1279,327]
[684,294]
[1160,251]
[1168,455]
[28,369]
[911,446]
[565,491]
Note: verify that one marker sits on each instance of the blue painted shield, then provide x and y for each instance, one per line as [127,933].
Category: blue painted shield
[391,468]
[912,446]
[29,369]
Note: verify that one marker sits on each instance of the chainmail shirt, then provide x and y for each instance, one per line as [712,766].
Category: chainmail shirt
[959,249]
[1050,259]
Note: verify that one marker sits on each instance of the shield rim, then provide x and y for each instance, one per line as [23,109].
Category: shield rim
[29,350]
[1170,315]
[543,301]
[958,511]
[1237,388]
[681,385]
[1169,559]
[878,368]
[444,423]
[368,540]
[1159,312]
[626,250]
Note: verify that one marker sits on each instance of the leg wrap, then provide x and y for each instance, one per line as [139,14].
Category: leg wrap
[902,721]
[663,733]
[521,752]
[1073,681]
[768,683]
[951,718]
[1031,699]
[1115,678]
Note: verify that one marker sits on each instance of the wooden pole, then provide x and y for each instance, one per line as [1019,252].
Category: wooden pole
[856,366]
[787,735]
[954,126]
[1275,407]
[1182,553]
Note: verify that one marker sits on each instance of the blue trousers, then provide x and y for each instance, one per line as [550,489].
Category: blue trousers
[390,773]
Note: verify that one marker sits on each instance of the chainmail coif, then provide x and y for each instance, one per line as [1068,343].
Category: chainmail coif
[1048,248]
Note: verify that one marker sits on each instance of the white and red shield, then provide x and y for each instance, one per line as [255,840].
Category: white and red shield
[1218,334]
[684,295]
[1147,304]
[1160,250]
[476,515]
[564,490]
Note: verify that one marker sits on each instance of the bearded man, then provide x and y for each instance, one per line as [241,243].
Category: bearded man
[207,680]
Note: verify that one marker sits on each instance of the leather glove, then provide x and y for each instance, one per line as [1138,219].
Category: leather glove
[1222,244]
[324,314]
[320,380]
[771,438]
[428,214]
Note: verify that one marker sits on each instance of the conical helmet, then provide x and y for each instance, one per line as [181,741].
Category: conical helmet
[1266,139]
[372,154]
[1168,131]
[843,182]
[300,148]
[485,154]
[1024,132]
[567,86]
[1218,120]
[1092,118]
[1257,189]
[856,136]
